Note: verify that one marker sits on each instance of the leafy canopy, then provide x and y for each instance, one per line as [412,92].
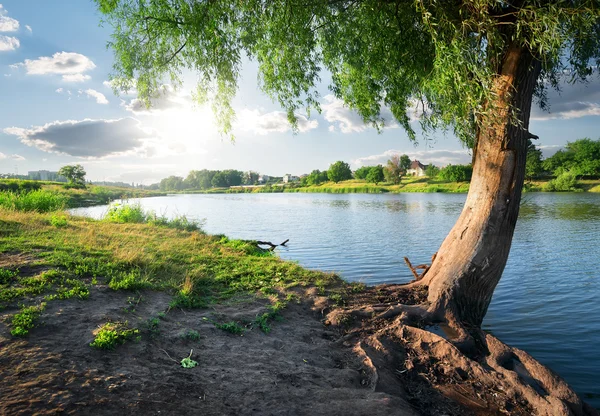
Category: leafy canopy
[75,174]
[437,57]
[339,171]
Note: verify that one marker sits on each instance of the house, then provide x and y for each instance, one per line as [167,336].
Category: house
[264,178]
[416,169]
[287,178]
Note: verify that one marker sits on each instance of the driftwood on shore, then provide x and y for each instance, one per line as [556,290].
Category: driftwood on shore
[271,245]
[424,267]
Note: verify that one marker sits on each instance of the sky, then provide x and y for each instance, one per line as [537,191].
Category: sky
[58,108]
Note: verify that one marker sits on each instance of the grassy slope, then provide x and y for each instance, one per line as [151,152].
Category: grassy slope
[197,269]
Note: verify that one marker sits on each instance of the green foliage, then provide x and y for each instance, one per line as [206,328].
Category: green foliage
[135,214]
[339,171]
[581,157]
[192,335]
[231,327]
[456,173]
[375,174]
[564,182]
[37,200]
[395,168]
[19,186]
[22,322]
[316,177]
[7,275]
[74,174]
[227,178]
[533,166]
[111,334]
[58,220]
[432,171]
[362,172]
[187,362]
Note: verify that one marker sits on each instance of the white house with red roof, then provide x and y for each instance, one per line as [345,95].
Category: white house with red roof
[416,169]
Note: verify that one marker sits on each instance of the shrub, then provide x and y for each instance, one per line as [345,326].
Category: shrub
[58,220]
[456,173]
[126,214]
[563,183]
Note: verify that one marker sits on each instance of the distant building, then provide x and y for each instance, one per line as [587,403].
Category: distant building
[264,178]
[45,175]
[416,169]
[287,178]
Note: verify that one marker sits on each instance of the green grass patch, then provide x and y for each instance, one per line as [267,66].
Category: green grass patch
[112,334]
[231,327]
[38,201]
[26,319]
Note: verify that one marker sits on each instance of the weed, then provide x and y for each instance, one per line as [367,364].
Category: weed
[38,200]
[132,303]
[191,335]
[187,362]
[337,299]
[231,327]
[109,335]
[22,322]
[58,220]
[162,315]
[7,275]
[152,326]
[357,287]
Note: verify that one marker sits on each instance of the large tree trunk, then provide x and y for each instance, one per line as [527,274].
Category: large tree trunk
[470,261]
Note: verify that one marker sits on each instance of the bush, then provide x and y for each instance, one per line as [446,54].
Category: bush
[110,335]
[564,182]
[58,221]
[135,214]
[19,186]
[456,173]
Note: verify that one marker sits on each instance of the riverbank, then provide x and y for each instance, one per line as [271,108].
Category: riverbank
[254,324]
[408,185]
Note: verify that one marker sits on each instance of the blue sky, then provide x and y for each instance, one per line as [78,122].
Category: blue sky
[57,108]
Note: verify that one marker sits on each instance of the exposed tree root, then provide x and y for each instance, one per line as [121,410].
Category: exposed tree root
[422,352]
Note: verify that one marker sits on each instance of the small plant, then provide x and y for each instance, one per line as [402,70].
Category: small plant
[187,362]
[7,275]
[337,299]
[192,335]
[109,335]
[58,220]
[25,320]
[162,315]
[152,325]
[231,327]
[132,303]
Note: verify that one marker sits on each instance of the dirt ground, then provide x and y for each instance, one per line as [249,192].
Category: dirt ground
[302,367]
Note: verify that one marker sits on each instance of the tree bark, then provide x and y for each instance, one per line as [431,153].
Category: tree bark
[471,259]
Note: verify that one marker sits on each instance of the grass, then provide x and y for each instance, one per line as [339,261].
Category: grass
[231,327]
[39,200]
[135,214]
[111,334]
[198,270]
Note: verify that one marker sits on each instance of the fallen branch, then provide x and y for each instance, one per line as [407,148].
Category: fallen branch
[424,267]
[273,246]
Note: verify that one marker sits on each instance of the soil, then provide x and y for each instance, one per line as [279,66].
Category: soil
[302,367]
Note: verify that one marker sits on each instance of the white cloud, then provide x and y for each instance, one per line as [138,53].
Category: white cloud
[8,43]
[7,24]
[59,90]
[70,65]
[29,29]
[437,157]
[273,122]
[167,99]
[76,78]
[14,157]
[100,98]
[89,138]
[349,121]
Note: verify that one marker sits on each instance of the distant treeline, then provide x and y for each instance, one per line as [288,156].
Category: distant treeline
[579,159]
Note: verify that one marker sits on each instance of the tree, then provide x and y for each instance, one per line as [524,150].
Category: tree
[250,178]
[456,173]
[339,171]
[375,174]
[362,172]
[476,65]
[172,183]
[533,165]
[582,157]
[396,168]
[431,170]
[74,174]
[316,177]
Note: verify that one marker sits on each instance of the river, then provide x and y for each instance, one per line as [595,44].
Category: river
[547,302]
